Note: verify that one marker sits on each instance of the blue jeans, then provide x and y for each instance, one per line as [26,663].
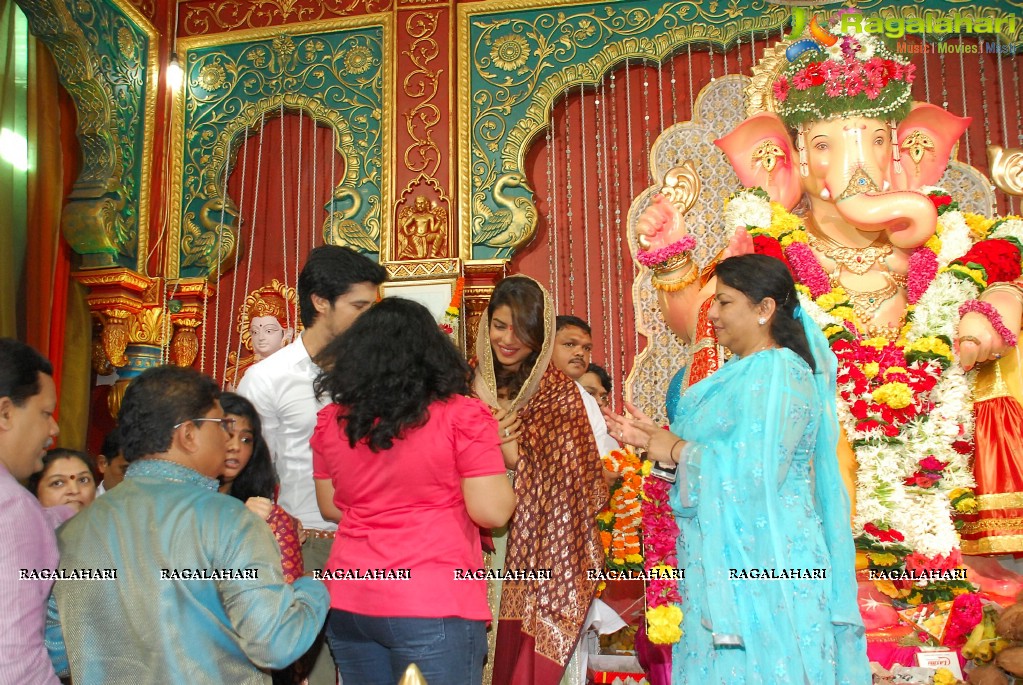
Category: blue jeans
[376,650]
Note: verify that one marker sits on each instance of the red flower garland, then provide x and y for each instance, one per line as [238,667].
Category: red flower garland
[999,258]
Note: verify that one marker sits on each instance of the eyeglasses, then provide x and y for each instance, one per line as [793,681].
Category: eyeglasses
[227,423]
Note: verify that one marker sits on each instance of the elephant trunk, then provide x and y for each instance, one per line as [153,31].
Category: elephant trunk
[908,217]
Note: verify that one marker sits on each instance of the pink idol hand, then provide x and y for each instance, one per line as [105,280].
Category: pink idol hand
[660,224]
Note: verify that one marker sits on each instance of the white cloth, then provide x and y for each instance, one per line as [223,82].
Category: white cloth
[101,488]
[605,443]
[281,389]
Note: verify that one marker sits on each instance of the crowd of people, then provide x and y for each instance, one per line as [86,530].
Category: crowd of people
[369,500]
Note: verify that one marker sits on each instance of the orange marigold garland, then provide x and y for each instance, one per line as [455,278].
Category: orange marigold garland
[619,523]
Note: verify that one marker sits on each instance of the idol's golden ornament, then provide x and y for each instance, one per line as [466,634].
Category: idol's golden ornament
[1006,168]
[422,230]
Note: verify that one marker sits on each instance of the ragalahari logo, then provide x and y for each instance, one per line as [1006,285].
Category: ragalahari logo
[819,38]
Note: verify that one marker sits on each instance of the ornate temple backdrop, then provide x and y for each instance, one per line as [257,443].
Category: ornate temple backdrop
[445,139]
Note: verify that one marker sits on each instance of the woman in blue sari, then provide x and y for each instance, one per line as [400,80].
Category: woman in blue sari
[769,594]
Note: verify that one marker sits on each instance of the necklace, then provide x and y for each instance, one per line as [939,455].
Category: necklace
[858,260]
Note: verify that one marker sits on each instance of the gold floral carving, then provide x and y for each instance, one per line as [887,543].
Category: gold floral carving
[682,186]
[115,336]
[519,66]
[329,70]
[109,210]
[421,84]
[201,17]
[1006,168]
[184,346]
[100,364]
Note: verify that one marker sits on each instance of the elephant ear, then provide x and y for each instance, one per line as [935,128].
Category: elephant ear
[761,153]
[926,138]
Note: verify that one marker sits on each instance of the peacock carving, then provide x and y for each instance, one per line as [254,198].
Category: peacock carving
[212,245]
[512,223]
[341,228]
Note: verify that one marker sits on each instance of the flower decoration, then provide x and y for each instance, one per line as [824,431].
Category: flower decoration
[212,76]
[861,75]
[358,60]
[509,52]
[619,523]
[902,401]
[660,258]
[283,45]
[664,613]
[449,322]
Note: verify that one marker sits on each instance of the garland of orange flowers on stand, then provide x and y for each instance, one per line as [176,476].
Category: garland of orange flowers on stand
[449,322]
[639,535]
[620,521]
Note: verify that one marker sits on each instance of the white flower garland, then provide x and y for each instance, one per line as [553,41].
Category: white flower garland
[922,515]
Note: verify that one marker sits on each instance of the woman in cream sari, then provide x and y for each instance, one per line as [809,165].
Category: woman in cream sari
[550,446]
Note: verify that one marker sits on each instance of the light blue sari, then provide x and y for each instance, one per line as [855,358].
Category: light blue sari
[759,492]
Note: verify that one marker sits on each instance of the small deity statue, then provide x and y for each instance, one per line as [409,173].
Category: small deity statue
[422,230]
[267,322]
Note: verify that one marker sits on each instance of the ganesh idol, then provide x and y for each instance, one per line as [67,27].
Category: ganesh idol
[920,302]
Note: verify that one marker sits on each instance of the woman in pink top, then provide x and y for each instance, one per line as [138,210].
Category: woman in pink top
[411,468]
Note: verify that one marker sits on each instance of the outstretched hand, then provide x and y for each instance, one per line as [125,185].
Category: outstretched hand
[639,430]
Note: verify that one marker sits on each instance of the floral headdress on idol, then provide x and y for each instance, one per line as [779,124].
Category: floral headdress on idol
[858,75]
[271,300]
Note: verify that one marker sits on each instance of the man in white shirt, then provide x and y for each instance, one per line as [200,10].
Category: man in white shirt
[336,285]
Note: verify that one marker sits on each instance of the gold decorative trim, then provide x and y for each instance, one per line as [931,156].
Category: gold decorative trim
[382,21]
[1006,168]
[148,132]
[421,27]
[1002,500]
[992,524]
[999,544]
[196,24]
[116,276]
[430,268]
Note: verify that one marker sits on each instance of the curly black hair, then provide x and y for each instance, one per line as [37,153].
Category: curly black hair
[387,369]
[258,478]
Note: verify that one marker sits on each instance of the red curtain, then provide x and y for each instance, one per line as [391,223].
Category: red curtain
[281,182]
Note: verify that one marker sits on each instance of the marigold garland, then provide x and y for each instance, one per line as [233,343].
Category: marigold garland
[620,522]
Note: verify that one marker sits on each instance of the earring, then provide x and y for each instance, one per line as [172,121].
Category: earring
[761,321]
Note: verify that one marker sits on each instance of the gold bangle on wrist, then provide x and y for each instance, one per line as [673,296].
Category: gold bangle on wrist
[1005,287]
[675,284]
[673,264]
